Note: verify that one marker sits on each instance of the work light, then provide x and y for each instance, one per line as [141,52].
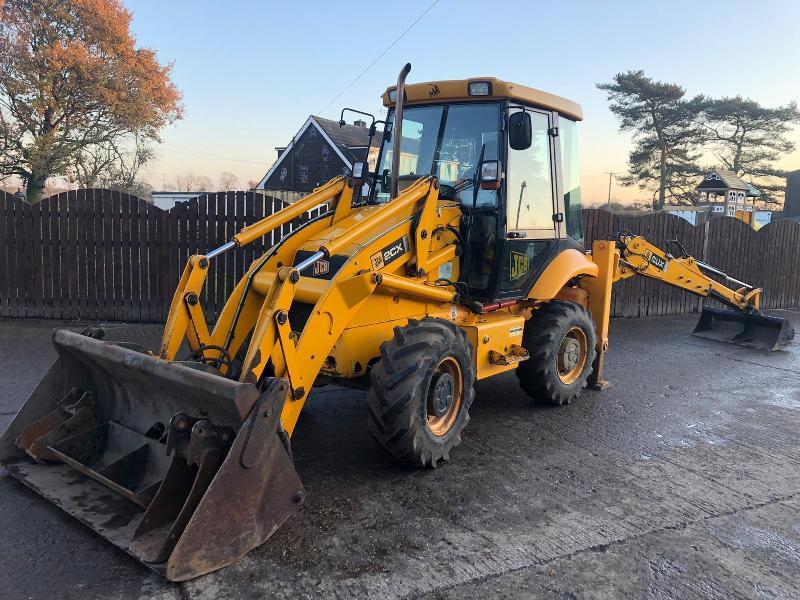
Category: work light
[480,88]
[393,95]
[358,172]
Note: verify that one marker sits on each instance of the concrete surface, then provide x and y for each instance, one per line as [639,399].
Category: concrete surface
[681,481]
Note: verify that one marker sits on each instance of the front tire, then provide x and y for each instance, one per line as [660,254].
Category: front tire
[560,338]
[422,388]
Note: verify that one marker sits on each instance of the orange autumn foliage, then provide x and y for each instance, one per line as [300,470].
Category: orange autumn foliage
[71,75]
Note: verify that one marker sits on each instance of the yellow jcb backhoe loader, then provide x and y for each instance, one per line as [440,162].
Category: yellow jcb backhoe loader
[459,258]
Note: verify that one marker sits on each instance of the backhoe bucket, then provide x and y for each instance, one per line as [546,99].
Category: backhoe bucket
[745,329]
[180,467]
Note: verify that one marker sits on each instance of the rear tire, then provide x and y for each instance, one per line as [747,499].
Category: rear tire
[422,388]
[560,338]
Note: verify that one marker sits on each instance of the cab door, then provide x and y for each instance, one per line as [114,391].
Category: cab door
[532,219]
[531,206]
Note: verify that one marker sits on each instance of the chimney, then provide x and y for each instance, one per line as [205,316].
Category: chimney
[360,123]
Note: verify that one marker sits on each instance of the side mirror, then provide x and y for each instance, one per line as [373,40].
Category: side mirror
[491,175]
[359,172]
[520,131]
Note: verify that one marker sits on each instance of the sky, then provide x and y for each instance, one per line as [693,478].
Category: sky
[251,72]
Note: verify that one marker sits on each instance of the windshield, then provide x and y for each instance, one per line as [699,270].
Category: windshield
[448,142]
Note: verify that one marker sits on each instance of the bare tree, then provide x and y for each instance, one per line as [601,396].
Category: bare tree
[114,164]
[189,182]
[228,181]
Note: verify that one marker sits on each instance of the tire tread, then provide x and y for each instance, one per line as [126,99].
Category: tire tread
[400,381]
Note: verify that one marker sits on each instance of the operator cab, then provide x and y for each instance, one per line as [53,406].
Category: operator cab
[508,155]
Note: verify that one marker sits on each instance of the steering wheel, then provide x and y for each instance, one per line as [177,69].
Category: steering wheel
[446,191]
[450,192]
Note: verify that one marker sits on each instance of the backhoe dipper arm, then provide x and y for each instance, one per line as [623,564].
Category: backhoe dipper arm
[640,257]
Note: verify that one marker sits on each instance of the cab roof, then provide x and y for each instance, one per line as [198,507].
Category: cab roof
[457,90]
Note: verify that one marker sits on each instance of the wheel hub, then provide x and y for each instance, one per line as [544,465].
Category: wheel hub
[442,397]
[443,401]
[571,353]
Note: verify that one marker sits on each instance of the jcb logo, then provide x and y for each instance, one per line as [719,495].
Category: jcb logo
[322,267]
[520,264]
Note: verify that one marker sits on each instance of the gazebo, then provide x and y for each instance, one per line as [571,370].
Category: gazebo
[726,195]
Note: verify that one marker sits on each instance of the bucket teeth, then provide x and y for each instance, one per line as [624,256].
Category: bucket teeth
[198,448]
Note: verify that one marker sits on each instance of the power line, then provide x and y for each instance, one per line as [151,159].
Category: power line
[380,56]
[201,154]
[193,152]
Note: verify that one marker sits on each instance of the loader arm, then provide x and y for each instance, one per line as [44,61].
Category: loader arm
[300,358]
[298,353]
[185,319]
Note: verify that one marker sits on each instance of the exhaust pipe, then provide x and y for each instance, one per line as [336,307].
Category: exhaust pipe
[398,129]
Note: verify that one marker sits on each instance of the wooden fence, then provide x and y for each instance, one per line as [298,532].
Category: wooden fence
[103,255]
[768,258]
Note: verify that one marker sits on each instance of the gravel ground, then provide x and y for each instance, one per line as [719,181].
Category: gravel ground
[680,481]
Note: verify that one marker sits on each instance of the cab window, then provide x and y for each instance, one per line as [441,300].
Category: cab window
[568,139]
[470,135]
[529,189]
[448,142]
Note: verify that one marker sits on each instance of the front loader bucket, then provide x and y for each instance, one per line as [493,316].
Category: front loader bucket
[180,467]
[745,329]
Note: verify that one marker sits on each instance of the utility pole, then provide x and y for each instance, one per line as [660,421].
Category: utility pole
[610,176]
